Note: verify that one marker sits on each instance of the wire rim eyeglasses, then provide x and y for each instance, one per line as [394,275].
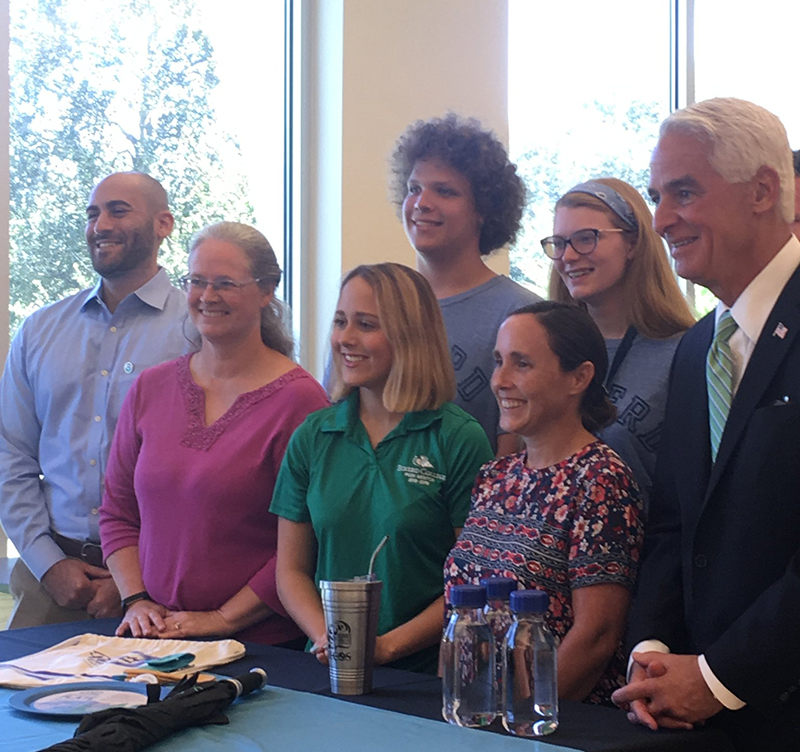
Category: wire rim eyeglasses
[583,242]
[190,283]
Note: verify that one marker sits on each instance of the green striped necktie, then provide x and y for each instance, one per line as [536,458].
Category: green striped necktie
[719,376]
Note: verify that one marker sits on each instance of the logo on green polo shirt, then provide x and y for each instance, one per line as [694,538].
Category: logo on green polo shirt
[422,473]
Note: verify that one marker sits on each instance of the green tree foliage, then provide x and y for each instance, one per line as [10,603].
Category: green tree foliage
[103,88]
[605,141]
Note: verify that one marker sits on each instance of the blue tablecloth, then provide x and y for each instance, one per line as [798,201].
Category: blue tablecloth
[276,720]
[413,699]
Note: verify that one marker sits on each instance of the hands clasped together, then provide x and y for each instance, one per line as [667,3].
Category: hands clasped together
[666,691]
[74,584]
[148,619]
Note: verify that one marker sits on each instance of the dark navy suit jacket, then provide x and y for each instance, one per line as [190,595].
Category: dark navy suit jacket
[721,571]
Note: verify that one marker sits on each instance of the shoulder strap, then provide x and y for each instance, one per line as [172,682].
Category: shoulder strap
[619,356]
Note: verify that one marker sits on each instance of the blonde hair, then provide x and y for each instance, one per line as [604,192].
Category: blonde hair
[654,302]
[421,376]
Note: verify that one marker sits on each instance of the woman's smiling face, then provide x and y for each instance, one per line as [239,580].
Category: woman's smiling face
[591,277]
[533,392]
[233,313]
[364,353]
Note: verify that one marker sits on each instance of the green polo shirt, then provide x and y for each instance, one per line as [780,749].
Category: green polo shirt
[414,486]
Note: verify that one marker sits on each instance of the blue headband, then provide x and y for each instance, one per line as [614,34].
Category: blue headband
[610,198]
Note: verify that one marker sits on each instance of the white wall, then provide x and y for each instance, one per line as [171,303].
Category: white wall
[370,68]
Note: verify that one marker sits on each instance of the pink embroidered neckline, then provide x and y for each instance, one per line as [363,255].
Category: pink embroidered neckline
[200,436]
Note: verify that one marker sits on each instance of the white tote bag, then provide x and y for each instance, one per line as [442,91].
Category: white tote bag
[91,657]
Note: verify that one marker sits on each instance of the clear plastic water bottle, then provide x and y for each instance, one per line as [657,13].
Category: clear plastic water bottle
[468,660]
[499,617]
[530,697]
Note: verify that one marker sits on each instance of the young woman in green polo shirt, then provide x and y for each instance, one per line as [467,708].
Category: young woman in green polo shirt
[392,456]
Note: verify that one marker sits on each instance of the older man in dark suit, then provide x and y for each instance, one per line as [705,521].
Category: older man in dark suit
[716,623]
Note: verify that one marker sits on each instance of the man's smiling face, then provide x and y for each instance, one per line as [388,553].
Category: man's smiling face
[706,221]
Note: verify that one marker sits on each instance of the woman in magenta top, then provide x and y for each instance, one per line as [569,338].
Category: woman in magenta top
[184,524]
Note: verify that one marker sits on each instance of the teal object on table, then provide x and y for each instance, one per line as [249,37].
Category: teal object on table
[173,662]
[279,719]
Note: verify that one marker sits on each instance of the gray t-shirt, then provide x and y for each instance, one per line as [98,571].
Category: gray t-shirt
[639,391]
[472,319]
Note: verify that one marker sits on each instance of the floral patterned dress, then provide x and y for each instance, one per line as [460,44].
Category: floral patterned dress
[575,524]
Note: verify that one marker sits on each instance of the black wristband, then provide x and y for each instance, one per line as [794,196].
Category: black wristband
[131,599]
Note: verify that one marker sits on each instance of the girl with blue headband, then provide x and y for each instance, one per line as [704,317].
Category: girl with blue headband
[607,257]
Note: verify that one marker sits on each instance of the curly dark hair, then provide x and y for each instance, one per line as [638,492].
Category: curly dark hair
[463,145]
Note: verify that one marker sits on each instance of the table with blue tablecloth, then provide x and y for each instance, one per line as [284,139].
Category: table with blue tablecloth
[297,712]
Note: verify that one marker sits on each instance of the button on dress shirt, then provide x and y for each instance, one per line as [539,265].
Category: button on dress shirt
[60,395]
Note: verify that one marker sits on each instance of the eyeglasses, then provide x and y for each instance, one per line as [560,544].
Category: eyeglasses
[222,285]
[583,241]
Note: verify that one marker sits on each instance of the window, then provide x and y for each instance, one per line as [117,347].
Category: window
[168,88]
[726,66]
[189,91]
[750,53]
[589,84]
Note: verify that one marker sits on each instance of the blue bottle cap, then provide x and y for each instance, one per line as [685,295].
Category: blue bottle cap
[467,596]
[499,587]
[529,601]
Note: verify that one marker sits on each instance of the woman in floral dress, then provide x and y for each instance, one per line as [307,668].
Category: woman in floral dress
[565,515]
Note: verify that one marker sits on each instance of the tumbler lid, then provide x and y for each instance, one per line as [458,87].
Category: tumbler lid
[529,601]
[499,587]
[467,596]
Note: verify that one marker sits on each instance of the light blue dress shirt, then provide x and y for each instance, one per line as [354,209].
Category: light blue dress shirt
[68,370]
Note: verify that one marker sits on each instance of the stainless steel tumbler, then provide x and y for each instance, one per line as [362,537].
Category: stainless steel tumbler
[351,618]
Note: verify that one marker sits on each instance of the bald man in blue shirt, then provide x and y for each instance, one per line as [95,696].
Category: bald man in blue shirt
[68,370]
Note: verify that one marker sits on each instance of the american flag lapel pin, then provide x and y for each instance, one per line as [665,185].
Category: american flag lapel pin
[781,330]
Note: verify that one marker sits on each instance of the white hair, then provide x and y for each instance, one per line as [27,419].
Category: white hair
[743,138]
